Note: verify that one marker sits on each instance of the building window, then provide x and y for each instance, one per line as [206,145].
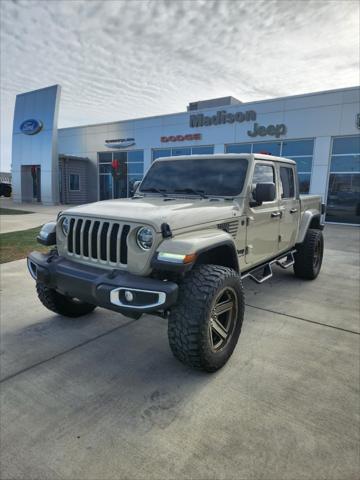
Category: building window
[269,148]
[343,198]
[204,150]
[238,148]
[105,157]
[301,151]
[172,152]
[74,182]
[137,168]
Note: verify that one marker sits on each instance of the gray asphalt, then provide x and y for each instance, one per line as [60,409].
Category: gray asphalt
[102,397]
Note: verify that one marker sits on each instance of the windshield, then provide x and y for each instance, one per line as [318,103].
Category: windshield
[209,176]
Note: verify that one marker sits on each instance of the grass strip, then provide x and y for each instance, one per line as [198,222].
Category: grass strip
[12,211]
[16,245]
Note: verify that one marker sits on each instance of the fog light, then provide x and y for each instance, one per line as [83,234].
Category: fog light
[129,296]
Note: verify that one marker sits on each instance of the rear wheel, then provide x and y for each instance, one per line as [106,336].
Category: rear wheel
[205,324]
[308,258]
[58,303]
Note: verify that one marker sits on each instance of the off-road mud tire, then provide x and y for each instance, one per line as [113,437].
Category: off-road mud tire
[189,320]
[309,255]
[58,303]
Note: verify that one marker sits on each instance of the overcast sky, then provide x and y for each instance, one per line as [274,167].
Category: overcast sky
[124,59]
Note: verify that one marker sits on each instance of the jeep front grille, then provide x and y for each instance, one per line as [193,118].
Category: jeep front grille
[229,227]
[102,241]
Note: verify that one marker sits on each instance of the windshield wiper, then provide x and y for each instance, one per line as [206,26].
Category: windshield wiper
[162,191]
[191,190]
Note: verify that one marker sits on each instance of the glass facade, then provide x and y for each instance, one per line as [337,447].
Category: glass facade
[119,184]
[171,152]
[301,151]
[343,198]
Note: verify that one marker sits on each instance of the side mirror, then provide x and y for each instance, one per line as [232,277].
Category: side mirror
[136,185]
[264,192]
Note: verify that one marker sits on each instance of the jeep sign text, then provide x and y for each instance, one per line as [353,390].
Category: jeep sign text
[221,117]
[272,130]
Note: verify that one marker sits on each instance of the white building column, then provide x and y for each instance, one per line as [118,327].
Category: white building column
[147,159]
[321,162]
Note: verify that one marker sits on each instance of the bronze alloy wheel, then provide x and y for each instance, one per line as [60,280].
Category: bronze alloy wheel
[205,323]
[223,318]
[318,253]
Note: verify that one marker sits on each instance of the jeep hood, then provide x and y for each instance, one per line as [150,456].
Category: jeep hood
[178,213]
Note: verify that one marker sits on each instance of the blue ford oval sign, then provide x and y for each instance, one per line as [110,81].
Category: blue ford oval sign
[31,127]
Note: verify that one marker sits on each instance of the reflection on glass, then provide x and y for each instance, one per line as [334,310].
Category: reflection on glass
[202,150]
[136,168]
[345,163]
[105,157]
[304,164]
[263,174]
[181,151]
[345,145]
[105,168]
[74,182]
[135,156]
[343,202]
[121,156]
[304,182]
[161,152]
[297,147]
[131,164]
[225,177]
[105,187]
[270,148]
[120,187]
[238,148]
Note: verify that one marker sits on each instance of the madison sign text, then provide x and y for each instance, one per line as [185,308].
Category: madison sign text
[220,118]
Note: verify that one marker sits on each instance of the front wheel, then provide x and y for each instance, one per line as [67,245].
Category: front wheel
[205,324]
[58,303]
[308,258]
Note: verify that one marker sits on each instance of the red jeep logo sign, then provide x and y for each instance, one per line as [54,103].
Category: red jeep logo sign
[181,138]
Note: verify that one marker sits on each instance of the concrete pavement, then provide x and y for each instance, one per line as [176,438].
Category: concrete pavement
[102,397]
[41,214]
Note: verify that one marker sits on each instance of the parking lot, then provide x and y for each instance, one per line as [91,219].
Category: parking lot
[102,397]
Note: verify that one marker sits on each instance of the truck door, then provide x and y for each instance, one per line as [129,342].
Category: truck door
[262,233]
[289,207]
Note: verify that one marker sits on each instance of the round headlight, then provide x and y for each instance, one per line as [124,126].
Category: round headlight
[145,238]
[65,225]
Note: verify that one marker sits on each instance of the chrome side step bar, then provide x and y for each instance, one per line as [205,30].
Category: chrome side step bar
[263,272]
[286,262]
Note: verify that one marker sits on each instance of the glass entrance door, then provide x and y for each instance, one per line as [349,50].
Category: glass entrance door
[106,186]
[118,171]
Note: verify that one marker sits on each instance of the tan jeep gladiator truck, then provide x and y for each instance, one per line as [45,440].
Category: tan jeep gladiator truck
[180,247]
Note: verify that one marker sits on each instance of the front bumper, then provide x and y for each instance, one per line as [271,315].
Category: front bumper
[102,287]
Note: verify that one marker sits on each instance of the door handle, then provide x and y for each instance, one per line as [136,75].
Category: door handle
[293,210]
[276,214]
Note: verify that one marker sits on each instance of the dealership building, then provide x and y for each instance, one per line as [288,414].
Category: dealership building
[320,131]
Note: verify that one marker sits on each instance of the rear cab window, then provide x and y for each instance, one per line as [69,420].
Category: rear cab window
[287,182]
